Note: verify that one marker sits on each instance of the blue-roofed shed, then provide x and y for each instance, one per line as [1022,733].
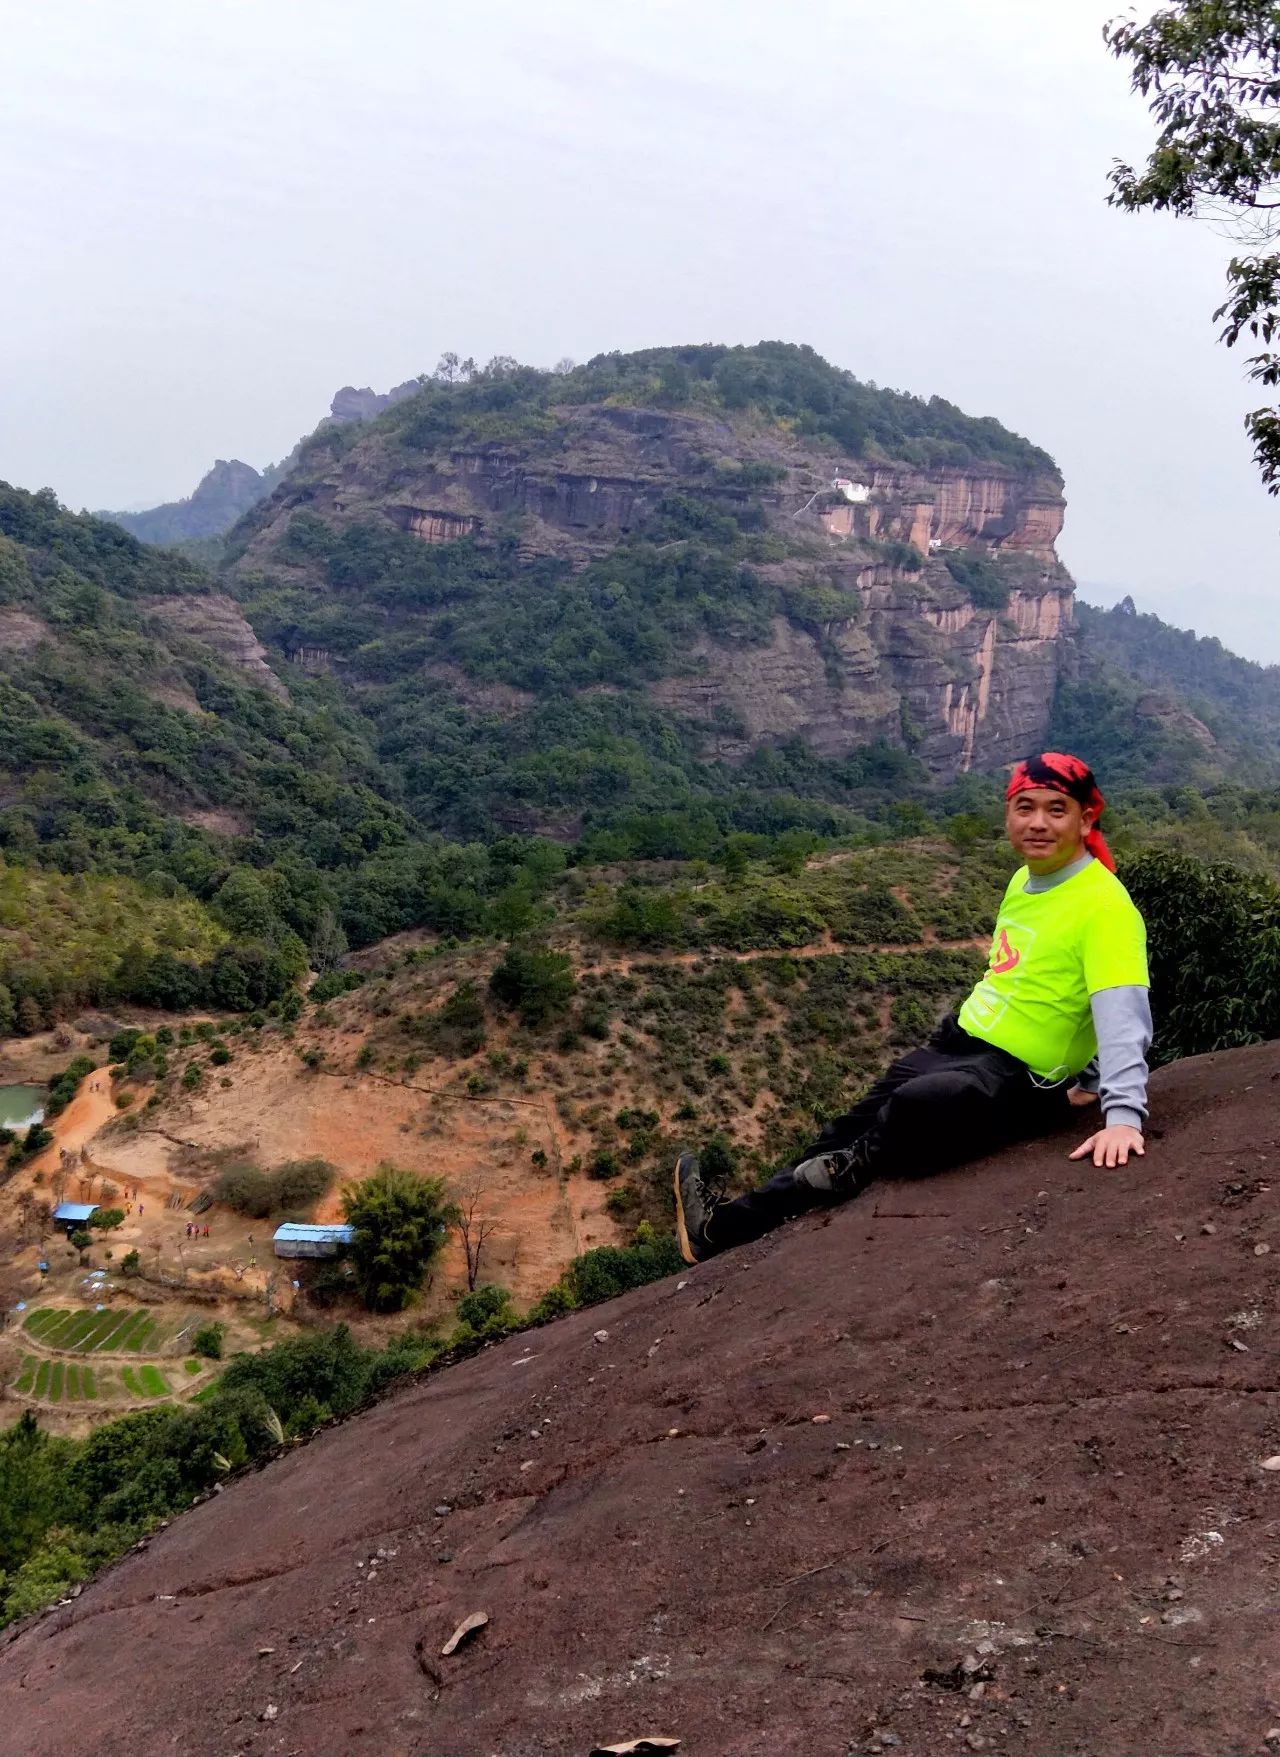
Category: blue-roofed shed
[294,1239]
[73,1214]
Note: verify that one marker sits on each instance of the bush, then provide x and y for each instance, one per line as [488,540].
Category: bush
[246,1189]
[292,1188]
[131,1263]
[207,1341]
[1214,948]
[603,1164]
[105,1218]
[612,1269]
[717,1160]
[487,1311]
[192,1076]
[219,1055]
[62,1088]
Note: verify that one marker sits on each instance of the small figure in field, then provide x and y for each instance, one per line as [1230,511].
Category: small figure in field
[1061,1015]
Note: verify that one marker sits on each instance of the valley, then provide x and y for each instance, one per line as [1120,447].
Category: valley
[539,774]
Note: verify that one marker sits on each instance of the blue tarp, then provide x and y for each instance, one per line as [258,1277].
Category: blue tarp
[79,1211]
[293,1232]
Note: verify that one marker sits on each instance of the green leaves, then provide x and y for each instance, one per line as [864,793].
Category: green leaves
[400,1220]
[1210,72]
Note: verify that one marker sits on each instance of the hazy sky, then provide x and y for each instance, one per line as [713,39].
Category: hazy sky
[216,213]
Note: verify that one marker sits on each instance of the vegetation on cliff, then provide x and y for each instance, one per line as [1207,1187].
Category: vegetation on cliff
[779,382]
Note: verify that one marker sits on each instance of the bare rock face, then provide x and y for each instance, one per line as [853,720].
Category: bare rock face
[219,623]
[350,404]
[917,662]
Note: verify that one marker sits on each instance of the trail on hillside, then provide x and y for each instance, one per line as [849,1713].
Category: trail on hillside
[827,947]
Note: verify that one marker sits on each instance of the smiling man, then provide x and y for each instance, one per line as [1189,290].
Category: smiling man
[1061,1015]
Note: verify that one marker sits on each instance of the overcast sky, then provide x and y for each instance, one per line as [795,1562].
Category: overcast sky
[215,214]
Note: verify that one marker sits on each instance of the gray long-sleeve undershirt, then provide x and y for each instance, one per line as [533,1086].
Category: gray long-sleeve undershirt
[1122,1023]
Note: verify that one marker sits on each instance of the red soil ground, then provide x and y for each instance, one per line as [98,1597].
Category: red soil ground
[1046,1394]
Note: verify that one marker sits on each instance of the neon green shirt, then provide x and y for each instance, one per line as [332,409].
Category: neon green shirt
[1052,950]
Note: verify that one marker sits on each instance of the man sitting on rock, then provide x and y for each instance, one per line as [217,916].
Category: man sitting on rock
[1064,999]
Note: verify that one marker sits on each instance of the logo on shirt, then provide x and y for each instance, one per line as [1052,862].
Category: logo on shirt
[1004,957]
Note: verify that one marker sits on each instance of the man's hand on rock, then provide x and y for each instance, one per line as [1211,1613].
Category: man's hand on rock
[1112,1146]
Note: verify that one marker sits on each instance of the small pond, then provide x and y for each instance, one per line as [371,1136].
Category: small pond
[20,1105]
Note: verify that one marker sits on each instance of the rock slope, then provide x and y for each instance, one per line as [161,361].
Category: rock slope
[972,1465]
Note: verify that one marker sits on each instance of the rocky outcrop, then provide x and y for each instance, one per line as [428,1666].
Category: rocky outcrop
[220,624]
[222,496]
[350,404]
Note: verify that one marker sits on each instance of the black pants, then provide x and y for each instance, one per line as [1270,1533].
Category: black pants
[955,1100]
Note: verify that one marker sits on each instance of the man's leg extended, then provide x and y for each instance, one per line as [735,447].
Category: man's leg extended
[824,1173]
[952,1101]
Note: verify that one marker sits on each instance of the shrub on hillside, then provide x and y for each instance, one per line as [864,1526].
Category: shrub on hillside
[536,982]
[292,1188]
[62,1088]
[207,1341]
[1214,947]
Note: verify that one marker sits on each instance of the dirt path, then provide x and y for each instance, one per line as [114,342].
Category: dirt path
[88,1111]
[827,947]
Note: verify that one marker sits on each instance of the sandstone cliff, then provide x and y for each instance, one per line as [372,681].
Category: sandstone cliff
[911,657]
[218,622]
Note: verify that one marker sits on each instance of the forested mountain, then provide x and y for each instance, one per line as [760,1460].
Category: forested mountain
[1166,697]
[701,578]
[635,609]
[143,736]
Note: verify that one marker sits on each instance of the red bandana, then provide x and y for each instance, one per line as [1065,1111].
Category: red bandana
[1065,774]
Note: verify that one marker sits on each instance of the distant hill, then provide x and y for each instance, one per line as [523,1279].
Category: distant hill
[231,487]
[1170,704]
[221,497]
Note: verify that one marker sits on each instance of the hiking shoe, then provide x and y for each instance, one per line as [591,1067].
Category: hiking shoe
[843,1172]
[694,1207]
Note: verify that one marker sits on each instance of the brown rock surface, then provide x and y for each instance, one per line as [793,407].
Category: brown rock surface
[214,619]
[1033,1522]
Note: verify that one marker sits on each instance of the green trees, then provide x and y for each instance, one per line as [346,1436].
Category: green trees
[1210,72]
[400,1221]
[535,982]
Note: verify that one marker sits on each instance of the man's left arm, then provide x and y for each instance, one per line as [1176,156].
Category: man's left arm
[1122,1023]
